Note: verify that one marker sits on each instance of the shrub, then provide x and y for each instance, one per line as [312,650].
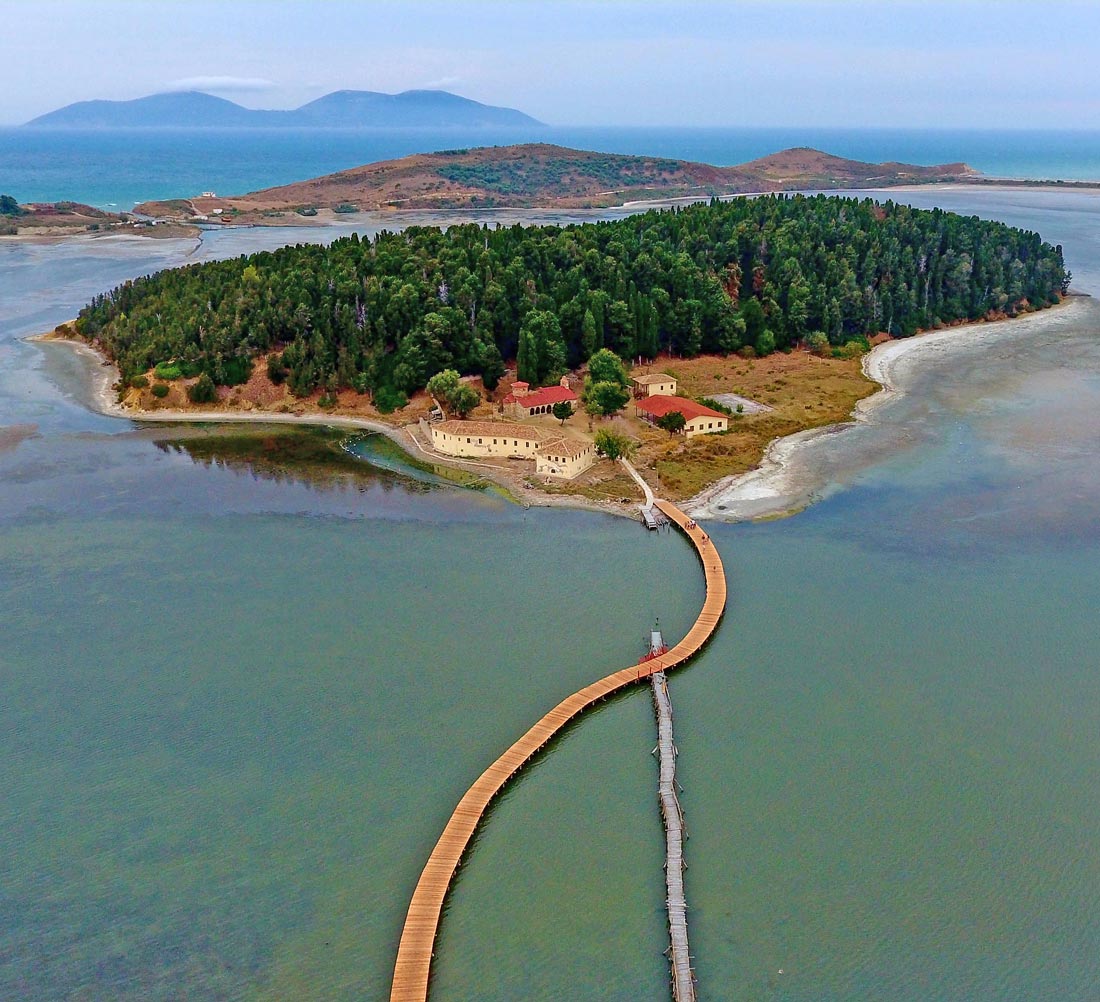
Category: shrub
[234,371]
[715,405]
[160,390]
[817,342]
[614,445]
[168,371]
[748,351]
[139,382]
[10,207]
[853,349]
[388,399]
[202,391]
[326,401]
[276,370]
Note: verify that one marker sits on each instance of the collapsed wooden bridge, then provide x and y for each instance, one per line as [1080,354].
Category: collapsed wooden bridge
[679,956]
[414,953]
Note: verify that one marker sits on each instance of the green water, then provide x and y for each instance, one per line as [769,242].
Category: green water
[218,782]
[238,702]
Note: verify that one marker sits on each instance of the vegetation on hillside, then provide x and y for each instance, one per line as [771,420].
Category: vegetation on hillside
[10,207]
[554,176]
[755,275]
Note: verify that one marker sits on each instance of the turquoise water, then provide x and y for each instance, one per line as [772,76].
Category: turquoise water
[122,167]
[237,709]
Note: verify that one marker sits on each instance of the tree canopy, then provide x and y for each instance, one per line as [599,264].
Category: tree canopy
[384,316]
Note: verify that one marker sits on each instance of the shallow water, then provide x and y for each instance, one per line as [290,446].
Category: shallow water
[237,708]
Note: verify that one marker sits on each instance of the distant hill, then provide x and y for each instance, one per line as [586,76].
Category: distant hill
[341,109]
[543,175]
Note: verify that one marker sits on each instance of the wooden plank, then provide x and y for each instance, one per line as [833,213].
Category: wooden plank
[414,953]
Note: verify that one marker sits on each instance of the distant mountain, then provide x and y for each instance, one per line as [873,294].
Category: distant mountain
[543,175]
[421,108]
[341,109]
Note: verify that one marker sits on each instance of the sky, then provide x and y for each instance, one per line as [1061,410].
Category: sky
[846,63]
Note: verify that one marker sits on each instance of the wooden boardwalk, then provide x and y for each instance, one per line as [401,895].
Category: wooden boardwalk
[414,953]
[683,980]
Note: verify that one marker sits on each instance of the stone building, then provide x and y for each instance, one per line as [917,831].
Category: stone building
[554,455]
[524,402]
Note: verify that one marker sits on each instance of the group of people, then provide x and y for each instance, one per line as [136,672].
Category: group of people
[692,524]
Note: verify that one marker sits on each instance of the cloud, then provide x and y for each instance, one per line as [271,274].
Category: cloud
[441,83]
[236,85]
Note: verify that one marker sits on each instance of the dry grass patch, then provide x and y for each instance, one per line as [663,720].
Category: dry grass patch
[806,391]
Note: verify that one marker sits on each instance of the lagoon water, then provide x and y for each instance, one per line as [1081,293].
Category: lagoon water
[237,706]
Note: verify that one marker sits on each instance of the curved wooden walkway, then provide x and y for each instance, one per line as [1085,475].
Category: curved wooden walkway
[414,954]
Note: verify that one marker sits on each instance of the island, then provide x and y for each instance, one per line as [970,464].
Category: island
[687,338]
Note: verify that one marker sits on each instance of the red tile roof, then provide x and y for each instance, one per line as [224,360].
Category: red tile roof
[540,398]
[659,405]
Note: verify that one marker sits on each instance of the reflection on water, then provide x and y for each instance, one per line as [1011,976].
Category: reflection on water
[323,458]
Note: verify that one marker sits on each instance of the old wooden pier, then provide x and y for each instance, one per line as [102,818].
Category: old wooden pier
[414,953]
[683,981]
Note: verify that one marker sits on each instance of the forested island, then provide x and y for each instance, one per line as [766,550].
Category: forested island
[752,276]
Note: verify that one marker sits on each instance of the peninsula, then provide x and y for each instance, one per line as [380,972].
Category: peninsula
[541,175]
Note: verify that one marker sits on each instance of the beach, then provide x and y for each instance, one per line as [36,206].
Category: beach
[780,485]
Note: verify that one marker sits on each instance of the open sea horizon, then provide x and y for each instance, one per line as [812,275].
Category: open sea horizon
[118,168]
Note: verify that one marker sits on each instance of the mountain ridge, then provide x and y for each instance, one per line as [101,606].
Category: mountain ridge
[339,109]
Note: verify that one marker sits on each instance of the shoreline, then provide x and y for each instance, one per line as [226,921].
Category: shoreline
[766,491]
[103,401]
[440,216]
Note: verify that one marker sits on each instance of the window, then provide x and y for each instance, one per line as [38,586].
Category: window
[711,425]
[467,441]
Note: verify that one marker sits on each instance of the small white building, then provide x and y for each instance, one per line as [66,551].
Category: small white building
[654,383]
[564,457]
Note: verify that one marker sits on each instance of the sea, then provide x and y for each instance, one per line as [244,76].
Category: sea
[240,695]
[118,168]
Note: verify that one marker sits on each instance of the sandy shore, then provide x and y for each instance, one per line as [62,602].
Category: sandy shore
[777,486]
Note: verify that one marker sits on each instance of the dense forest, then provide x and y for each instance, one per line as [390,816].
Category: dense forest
[755,275]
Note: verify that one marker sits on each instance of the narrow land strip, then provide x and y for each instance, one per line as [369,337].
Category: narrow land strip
[414,953]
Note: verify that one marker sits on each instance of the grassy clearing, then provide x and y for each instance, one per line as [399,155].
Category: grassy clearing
[803,390]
